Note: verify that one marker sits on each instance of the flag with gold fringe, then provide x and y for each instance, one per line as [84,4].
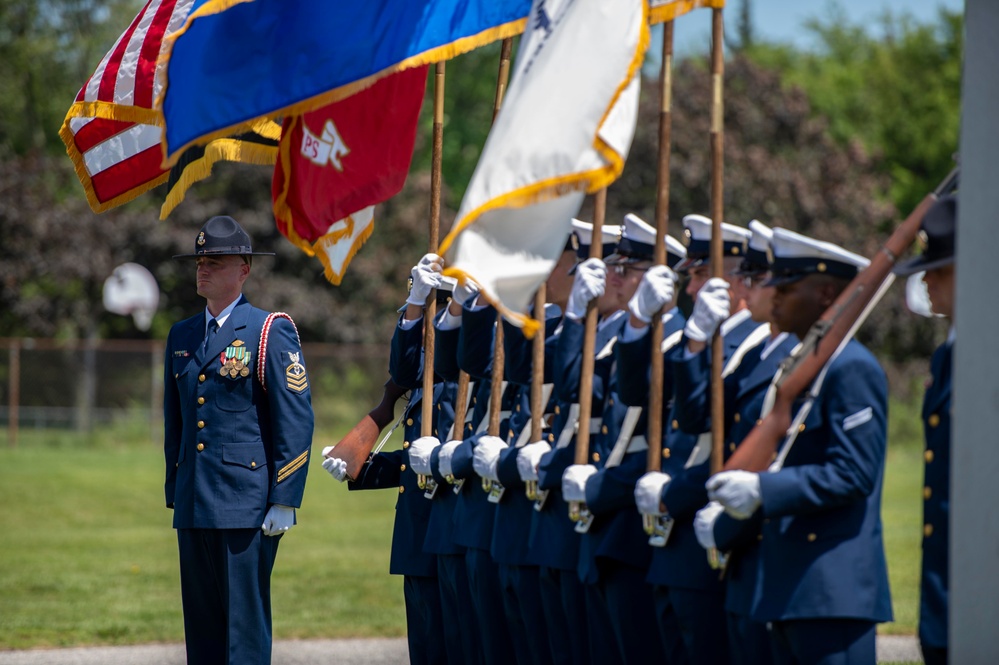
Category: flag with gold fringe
[337,161]
[661,11]
[113,135]
[565,129]
[258,145]
[111,131]
[272,58]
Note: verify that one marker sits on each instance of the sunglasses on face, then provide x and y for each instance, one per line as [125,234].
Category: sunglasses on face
[623,268]
[752,281]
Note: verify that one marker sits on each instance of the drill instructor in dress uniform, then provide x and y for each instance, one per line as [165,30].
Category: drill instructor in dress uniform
[238,428]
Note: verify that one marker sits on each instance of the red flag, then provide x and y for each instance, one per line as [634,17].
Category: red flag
[338,161]
[111,131]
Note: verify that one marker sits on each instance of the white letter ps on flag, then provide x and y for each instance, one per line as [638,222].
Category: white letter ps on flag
[330,147]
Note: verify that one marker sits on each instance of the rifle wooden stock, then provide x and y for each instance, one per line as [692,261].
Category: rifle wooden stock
[356,446]
[759,449]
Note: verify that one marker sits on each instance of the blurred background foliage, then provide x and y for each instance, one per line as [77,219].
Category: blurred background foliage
[839,141]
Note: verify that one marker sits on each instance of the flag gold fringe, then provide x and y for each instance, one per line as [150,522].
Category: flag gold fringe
[230,150]
[79,165]
[551,188]
[678,8]
[528,326]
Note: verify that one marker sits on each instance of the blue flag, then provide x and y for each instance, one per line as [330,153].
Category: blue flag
[233,63]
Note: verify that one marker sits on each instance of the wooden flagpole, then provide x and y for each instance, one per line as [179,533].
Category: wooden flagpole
[717,214]
[430,313]
[655,412]
[537,382]
[499,353]
[589,350]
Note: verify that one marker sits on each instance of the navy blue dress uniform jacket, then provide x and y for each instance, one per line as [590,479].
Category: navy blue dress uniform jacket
[822,553]
[392,469]
[745,390]
[610,493]
[440,529]
[232,448]
[936,501]
[682,562]
[514,511]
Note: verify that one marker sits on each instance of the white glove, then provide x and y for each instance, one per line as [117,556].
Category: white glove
[529,457]
[710,309]
[444,458]
[704,524]
[278,520]
[334,465]
[658,286]
[589,282]
[419,454]
[462,292]
[426,276]
[574,481]
[649,492]
[485,457]
[737,491]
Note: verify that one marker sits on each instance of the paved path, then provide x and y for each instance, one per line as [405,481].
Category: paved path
[891,649]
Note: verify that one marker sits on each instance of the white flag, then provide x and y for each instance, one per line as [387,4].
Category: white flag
[564,131]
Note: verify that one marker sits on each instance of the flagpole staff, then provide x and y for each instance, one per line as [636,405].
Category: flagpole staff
[499,353]
[537,382]
[577,508]
[717,213]
[655,412]
[427,413]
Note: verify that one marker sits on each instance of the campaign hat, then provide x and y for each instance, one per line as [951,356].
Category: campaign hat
[222,235]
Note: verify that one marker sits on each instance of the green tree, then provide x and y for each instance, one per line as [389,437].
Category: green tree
[898,94]
[48,48]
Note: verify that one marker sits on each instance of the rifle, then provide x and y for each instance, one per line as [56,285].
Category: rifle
[833,329]
[355,448]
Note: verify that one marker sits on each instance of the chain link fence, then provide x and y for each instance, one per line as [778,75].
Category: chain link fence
[83,385]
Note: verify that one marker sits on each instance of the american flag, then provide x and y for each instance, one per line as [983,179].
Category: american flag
[111,132]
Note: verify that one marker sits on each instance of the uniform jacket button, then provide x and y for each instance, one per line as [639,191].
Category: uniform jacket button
[201,447]
[676,424]
[253,465]
[927,492]
[201,378]
[409,422]
[737,417]
[928,530]
[603,430]
[928,455]
[401,489]
[402,467]
[405,444]
[551,438]
[666,453]
[201,400]
[812,537]
[201,424]
[596,457]
[933,420]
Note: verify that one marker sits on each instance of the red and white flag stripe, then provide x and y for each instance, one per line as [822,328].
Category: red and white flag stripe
[111,132]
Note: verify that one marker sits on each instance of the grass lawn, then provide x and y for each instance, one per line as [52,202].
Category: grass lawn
[89,555]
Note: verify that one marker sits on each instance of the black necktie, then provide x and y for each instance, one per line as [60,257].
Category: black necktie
[213,327]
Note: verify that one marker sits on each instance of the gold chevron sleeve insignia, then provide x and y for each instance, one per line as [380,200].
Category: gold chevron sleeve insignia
[291,467]
[297,378]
